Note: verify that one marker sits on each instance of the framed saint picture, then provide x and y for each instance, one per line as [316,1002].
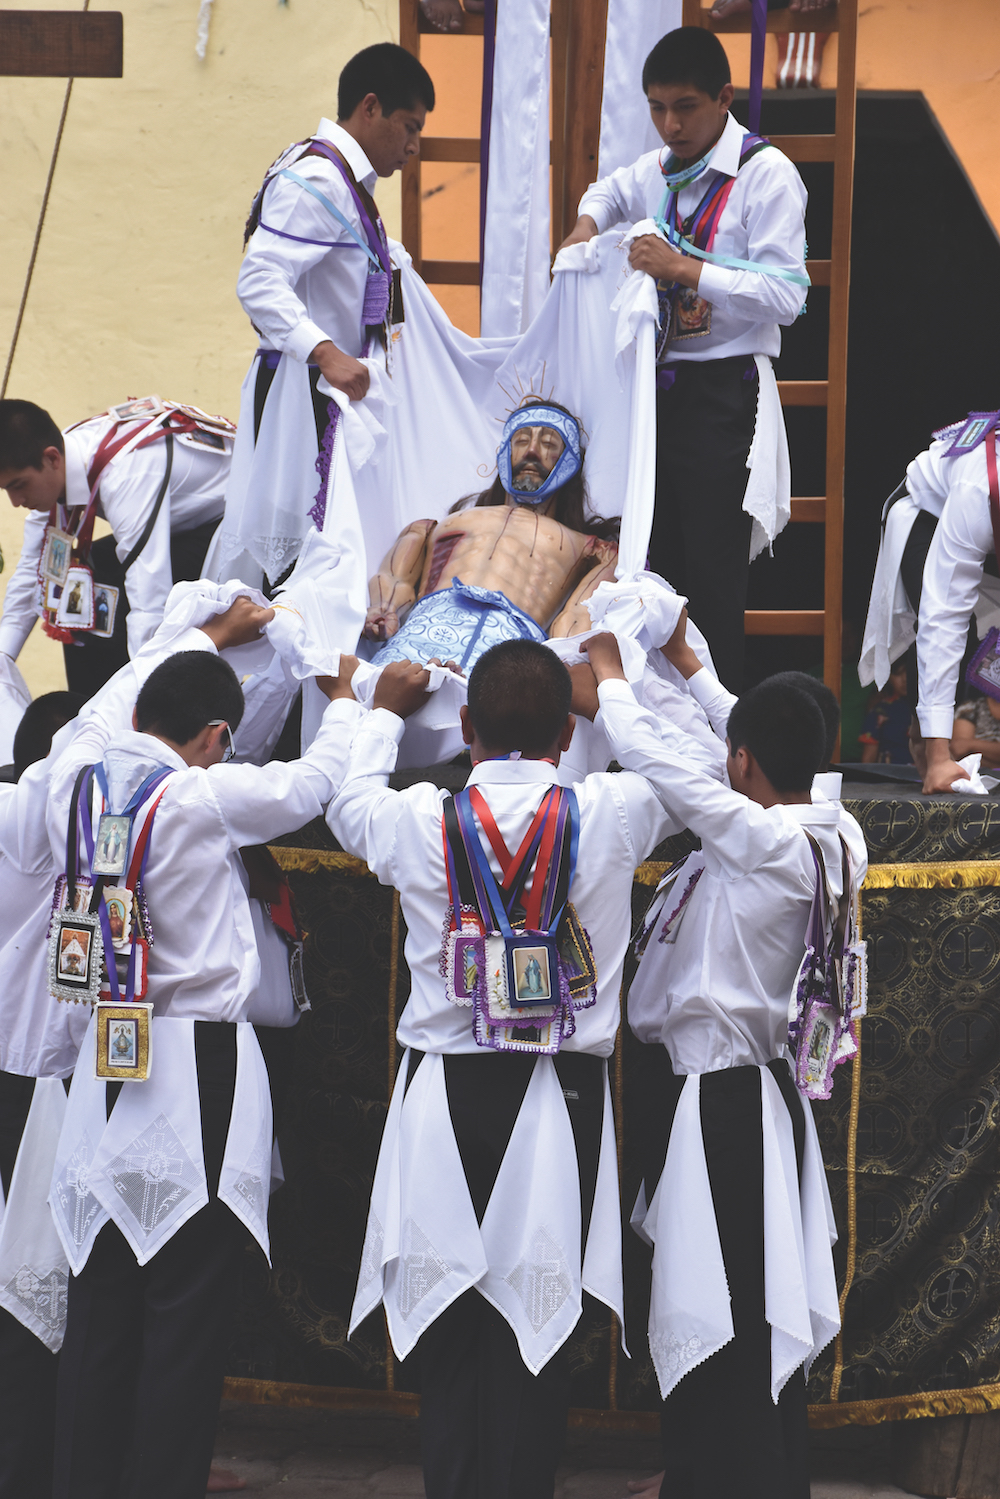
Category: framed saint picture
[111,845]
[75,952]
[57,556]
[76,602]
[124,1037]
[144,406]
[105,609]
[118,900]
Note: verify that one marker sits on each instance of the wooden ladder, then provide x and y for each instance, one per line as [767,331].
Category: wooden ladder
[835,273]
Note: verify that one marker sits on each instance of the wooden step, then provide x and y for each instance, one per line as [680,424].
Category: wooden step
[450,272]
[803,392]
[812,509]
[805,147]
[778,20]
[449,148]
[783,621]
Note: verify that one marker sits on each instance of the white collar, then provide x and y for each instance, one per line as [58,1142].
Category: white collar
[77,488]
[828,785]
[350,151]
[725,155]
[820,814]
[513,770]
[130,757]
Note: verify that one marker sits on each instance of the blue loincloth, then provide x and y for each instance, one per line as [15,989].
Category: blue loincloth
[458,624]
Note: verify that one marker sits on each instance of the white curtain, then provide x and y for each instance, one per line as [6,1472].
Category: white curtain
[516,245]
[634,27]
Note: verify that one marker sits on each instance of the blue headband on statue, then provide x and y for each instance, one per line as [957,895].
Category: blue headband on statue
[568,462]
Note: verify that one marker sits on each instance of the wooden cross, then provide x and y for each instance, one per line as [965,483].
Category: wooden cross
[60,44]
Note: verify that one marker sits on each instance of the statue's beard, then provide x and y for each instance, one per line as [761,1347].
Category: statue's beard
[527,478]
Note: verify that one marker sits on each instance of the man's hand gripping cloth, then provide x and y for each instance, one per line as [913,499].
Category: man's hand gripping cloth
[144,1167]
[423,1247]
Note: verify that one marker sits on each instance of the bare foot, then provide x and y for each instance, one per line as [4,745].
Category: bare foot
[649,1488]
[444,15]
[723,8]
[223,1481]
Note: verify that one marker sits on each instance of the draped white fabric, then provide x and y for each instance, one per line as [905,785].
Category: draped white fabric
[626,129]
[34,1274]
[690,1314]
[14,698]
[423,1247]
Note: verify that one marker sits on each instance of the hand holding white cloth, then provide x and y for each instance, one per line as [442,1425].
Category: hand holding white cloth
[975,785]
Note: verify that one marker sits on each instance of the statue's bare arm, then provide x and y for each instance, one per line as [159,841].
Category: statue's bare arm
[573,618]
[394,586]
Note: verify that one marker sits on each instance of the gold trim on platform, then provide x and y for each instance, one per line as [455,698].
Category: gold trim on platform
[308,860]
[958,876]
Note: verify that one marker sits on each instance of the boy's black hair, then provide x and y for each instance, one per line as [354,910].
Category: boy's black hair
[185,692]
[519,697]
[825,701]
[783,728]
[389,72]
[25,432]
[688,55]
[42,718]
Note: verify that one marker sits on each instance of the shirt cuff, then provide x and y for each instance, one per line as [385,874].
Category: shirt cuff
[382,721]
[303,339]
[715,284]
[600,215]
[12,637]
[614,690]
[703,686]
[936,723]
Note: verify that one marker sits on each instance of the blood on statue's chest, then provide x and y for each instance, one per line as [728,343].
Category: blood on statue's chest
[491,545]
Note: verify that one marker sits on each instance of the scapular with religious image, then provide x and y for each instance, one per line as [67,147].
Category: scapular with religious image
[515,953]
[100,933]
[830,993]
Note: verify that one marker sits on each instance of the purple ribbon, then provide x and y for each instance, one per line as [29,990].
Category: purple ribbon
[375,240]
[758,35]
[485,119]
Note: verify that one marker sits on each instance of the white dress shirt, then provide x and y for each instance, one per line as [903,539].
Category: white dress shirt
[763,220]
[717,996]
[128,490]
[958,491]
[399,834]
[203,961]
[298,294]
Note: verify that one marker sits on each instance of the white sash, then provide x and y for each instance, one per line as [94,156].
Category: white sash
[34,1274]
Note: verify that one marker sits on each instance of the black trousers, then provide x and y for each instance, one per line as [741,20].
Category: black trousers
[722,1433]
[489,1429]
[701,536]
[92,663]
[141,1370]
[27,1368]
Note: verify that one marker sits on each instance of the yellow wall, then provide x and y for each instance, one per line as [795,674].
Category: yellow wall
[134,287]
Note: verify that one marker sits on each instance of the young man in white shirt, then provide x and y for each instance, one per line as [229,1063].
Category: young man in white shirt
[495,1201]
[316,284]
[735,1200]
[719,323]
[155,1182]
[937,571]
[162,498]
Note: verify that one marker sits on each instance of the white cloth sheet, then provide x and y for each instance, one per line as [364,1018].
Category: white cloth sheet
[516,244]
[627,131]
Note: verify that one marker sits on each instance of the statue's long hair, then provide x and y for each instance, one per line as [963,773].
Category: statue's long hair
[572,501]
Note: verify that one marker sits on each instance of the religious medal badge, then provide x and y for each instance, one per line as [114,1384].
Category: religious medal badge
[57,554]
[75,608]
[515,951]
[829,996]
[105,609]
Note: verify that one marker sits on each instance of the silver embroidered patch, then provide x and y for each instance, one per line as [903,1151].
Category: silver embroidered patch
[421,1268]
[78,1206]
[153,1175]
[44,1296]
[542,1282]
[371,1255]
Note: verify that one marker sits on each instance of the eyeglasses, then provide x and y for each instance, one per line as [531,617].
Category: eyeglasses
[230,750]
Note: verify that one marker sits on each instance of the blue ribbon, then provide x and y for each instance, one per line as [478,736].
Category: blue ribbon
[331,208]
